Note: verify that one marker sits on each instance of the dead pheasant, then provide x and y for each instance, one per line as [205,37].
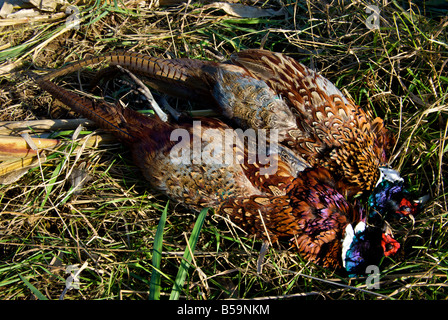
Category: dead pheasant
[264,90]
[320,223]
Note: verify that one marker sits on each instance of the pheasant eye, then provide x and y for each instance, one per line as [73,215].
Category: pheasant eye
[388,247]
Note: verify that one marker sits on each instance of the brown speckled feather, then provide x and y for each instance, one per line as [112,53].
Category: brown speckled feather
[312,215]
[333,131]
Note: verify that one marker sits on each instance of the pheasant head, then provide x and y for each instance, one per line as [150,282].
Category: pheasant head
[391,199]
[358,244]
[365,245]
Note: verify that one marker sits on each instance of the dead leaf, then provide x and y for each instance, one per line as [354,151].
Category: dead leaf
[12,171]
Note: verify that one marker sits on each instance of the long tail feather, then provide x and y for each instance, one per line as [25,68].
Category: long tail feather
[178,77]
[107,116]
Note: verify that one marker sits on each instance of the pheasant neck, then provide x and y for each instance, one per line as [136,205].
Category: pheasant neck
[349,236]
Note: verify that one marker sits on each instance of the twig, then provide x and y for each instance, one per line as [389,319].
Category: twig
[147,93]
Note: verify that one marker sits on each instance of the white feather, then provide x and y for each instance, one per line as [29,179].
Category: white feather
[347,242]
[360,227]
[348,238]
[389,175]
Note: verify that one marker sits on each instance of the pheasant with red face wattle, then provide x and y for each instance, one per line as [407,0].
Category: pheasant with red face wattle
[264,90]
[319,222]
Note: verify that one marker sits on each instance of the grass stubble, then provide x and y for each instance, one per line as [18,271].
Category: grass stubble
[50,220]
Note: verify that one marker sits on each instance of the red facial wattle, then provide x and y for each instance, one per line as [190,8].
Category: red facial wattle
[390,245]
[406,207]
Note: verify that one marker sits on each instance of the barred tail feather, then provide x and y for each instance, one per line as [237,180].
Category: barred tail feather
[107,116]
[179,77]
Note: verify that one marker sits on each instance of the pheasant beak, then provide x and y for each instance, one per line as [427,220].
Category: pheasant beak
[407,209]
[415,206]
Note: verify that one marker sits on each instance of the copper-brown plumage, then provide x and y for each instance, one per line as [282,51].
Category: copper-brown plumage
[312,216]
[307,210]
[265,90]
[332,130]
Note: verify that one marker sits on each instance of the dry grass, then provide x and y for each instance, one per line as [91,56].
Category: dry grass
[398,73]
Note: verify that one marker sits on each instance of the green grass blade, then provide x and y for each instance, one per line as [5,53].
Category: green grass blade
[154,285]
[186,261]
[49,186]
[33,289]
